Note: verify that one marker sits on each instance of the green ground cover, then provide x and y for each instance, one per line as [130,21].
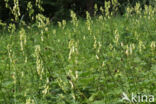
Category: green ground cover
[90,61]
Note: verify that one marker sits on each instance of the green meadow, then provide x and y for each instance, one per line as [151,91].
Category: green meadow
[81,61]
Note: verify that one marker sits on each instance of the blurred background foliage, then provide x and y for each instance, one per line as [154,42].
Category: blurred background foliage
[60,9]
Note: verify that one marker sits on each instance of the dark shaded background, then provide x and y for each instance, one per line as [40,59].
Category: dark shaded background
[60,9]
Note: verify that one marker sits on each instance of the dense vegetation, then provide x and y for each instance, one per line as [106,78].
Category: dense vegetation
[83,61]
[60,9]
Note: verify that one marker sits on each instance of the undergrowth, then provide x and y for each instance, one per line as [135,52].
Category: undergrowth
[92,61]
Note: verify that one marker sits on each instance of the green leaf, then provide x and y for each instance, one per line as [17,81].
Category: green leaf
[137,60]
[7,84]
[91,98]
[153,67]
[99,102]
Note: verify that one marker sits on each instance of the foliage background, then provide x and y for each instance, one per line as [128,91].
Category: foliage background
[59,9]
[82,61]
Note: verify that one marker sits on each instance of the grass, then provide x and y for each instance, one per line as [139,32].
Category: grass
[76,65]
